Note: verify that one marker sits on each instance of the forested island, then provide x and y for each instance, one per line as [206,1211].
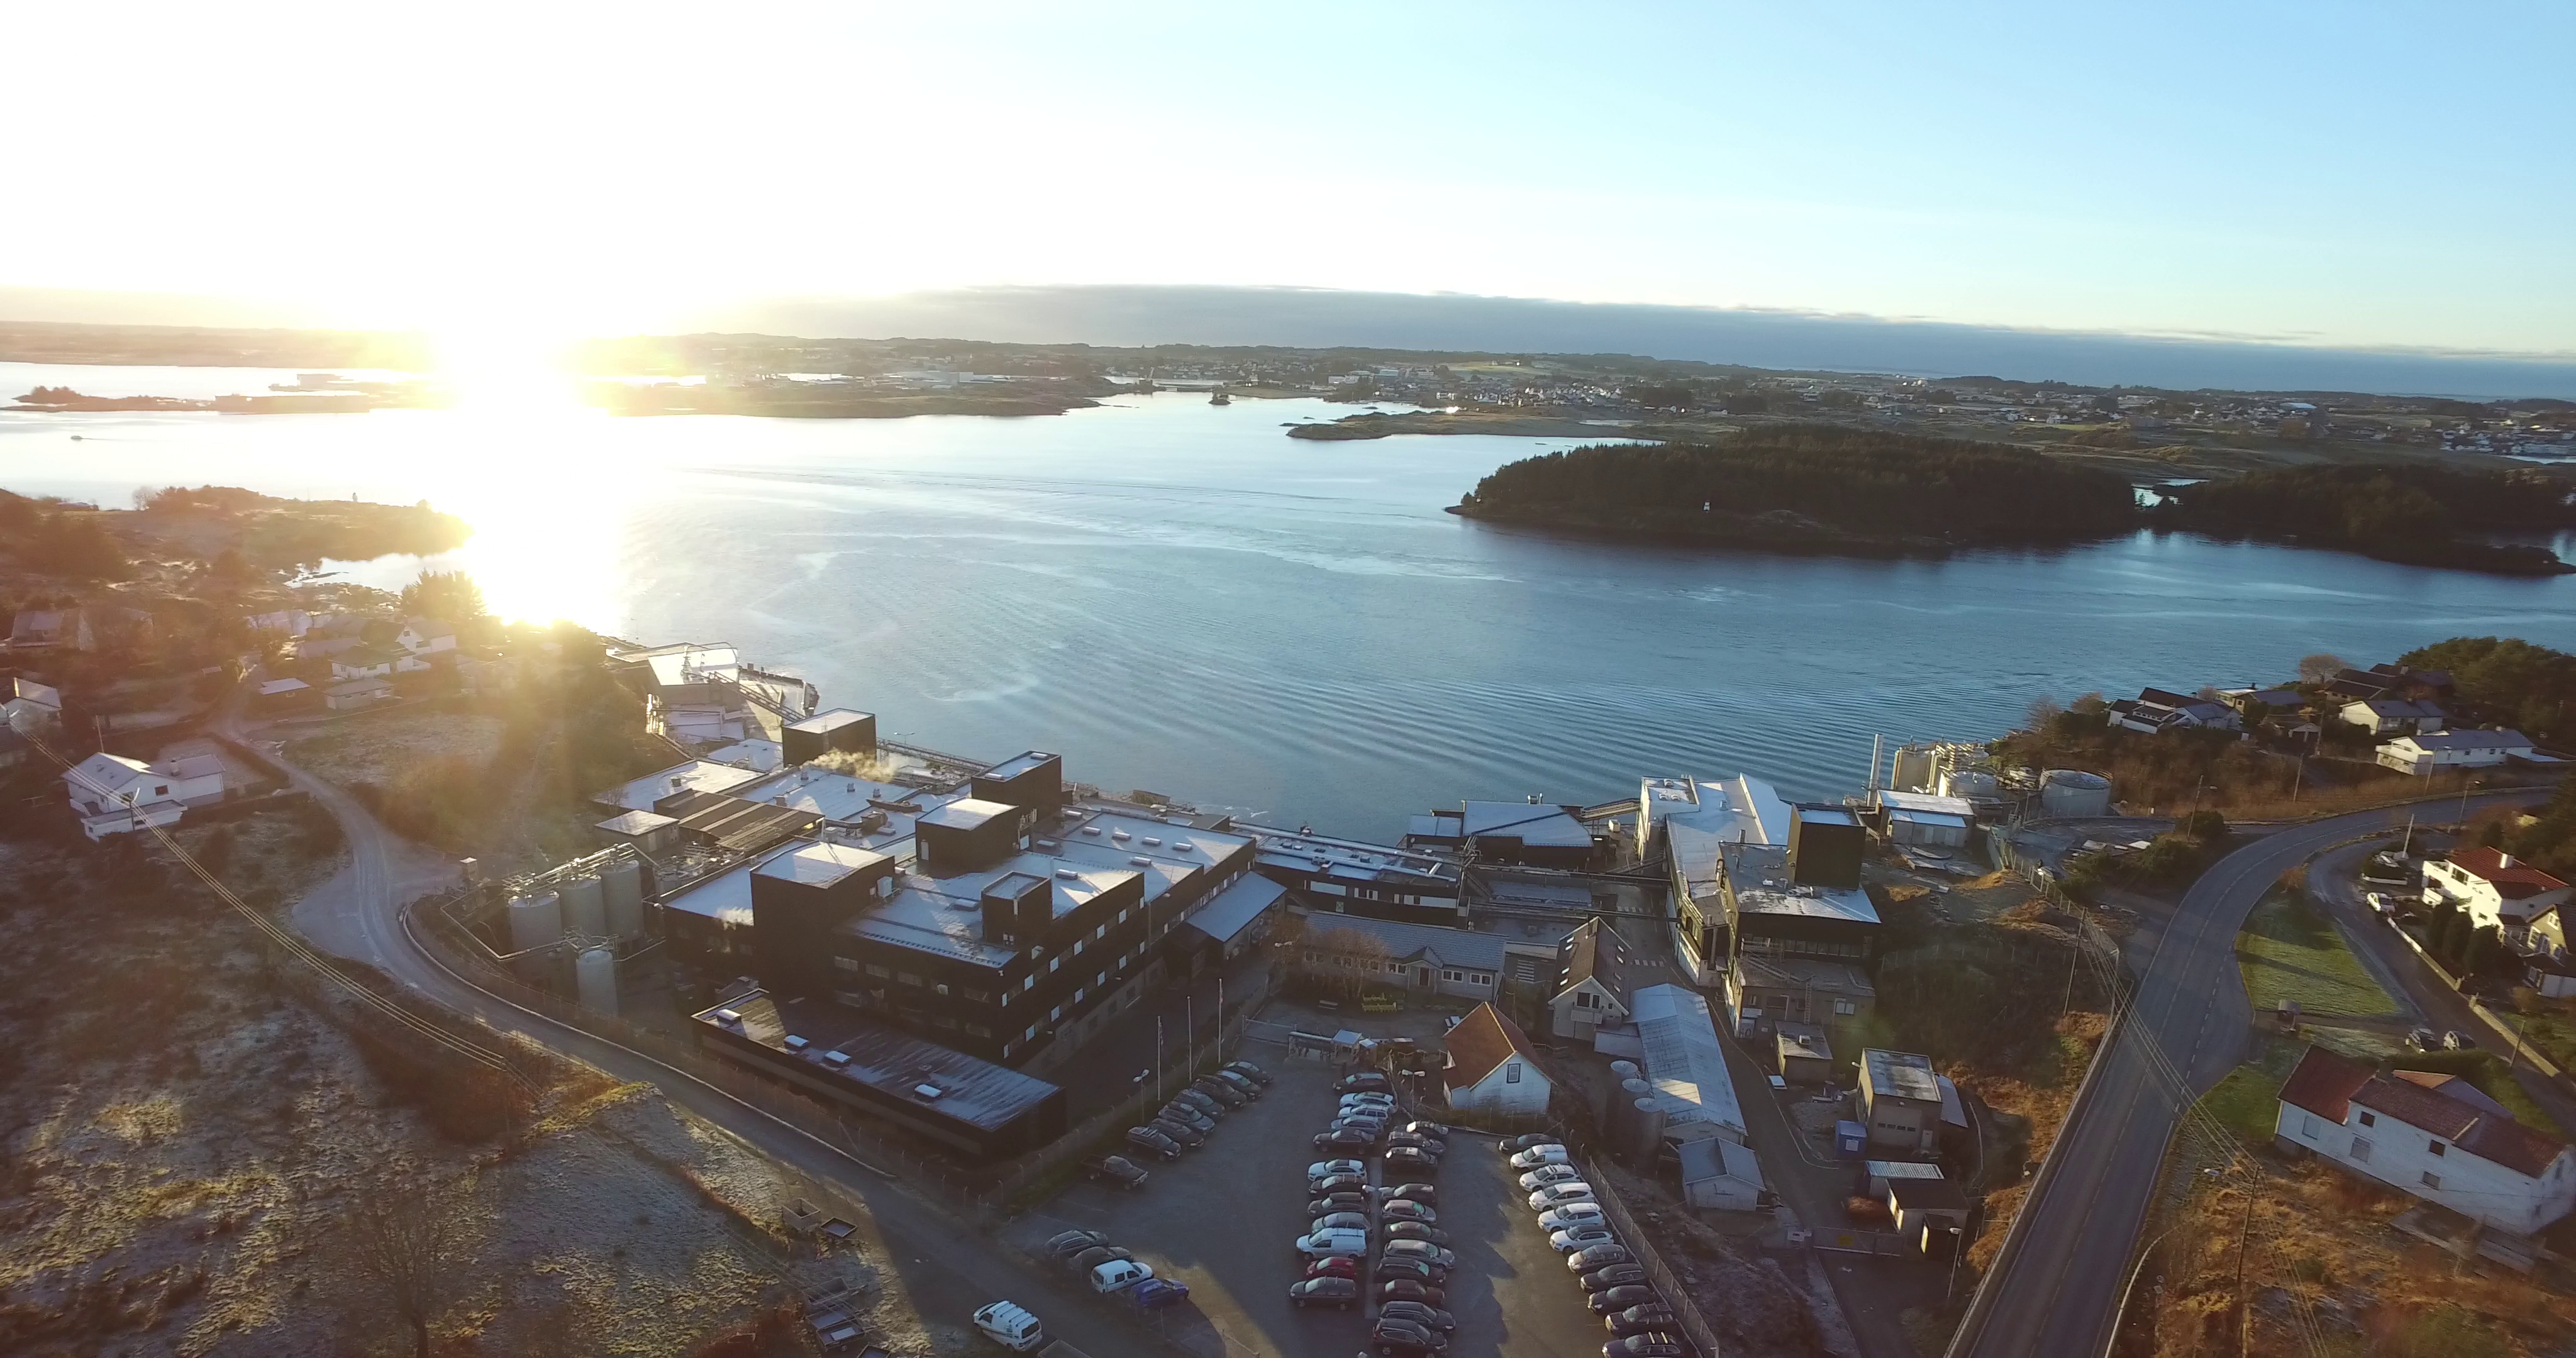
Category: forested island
[1860,492]
[1812,488]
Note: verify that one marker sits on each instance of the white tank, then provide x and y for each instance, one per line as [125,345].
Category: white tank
[1911,769]
[535,921]
[595,978]
[1623,1070]
[2073,792]
[1973,784]
[624,884]
[585,908]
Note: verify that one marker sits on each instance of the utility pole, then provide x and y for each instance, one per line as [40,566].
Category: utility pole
[2244,1314]
[2298,778]
[1158,1056]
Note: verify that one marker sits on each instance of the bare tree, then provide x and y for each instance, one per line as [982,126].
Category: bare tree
[2043,714]
[413,1243]
[2318,668]
[1355,958]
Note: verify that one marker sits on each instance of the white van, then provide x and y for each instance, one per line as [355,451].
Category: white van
[1118,1275]
[1010,1325]
[1327,1244]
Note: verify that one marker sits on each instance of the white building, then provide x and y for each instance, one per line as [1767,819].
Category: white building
[1927,821]
[1719,1173]
[33,708]
[2494,887]
[113,794]
[425,636]
[1592,988]
[2391,716]
[2424,753]
[2436,1137]
[1492,1067]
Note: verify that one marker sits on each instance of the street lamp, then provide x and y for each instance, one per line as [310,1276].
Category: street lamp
[1958,1246]
[2464,802]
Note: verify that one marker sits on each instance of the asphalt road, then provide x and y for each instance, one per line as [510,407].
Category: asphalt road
[945,1270]
[2055,1289]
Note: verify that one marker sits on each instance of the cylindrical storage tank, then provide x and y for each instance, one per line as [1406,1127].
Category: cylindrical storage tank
[1623,1112]
[585,908]
[2073,792]
[595,979]
[535,921]
[1624,1070]
[1972,784]
[624,884]
[1645,1132]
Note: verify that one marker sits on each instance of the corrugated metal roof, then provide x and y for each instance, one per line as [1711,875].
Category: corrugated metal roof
[1684,1061]
[1229,911]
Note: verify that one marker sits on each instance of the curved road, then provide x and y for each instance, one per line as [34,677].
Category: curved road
[2055,1288]
[946,1270]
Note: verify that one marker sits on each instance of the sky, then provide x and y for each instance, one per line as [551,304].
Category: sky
[2351,175]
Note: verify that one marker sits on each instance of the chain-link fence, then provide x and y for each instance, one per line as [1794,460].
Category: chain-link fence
[1690,1322]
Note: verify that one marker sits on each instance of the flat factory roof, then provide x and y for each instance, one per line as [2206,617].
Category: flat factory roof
[1762,887]
[1902,1074]
[818,865]
[1353,860]
[945,915]
[1715,816]
[965,813]
[697,775]
[829,720]
[1230,911]
[1018,764]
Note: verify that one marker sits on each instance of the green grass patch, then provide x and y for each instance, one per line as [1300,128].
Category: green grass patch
[2290,952]
[2248,1101]
[2554,1033]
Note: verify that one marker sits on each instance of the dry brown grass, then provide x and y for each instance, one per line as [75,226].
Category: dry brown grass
[2040,1099]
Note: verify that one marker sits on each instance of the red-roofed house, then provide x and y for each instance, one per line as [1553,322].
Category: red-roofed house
[2495,887]
[1493,1067]
[2433,1136]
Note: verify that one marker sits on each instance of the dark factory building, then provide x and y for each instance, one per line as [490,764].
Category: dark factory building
[840,729]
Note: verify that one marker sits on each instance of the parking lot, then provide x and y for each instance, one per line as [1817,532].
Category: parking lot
[1222,1219]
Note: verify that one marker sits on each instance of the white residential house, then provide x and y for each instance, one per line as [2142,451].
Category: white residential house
[33,708]
[112,794]
[2391,716]
[2494,887]
[2431,751]
[2548,966]
[425,636]
[364,662]
[2160,709]
[1592,984]
[2437,1137]
[1492,1067]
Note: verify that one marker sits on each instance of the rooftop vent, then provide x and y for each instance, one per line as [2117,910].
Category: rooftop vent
[926,1091]
[1151,842]
[1046,843]
[1091,829]
[728,1016]
[1068,874]
[1141,861]
[795,1043]
[1120,835]
[837,1058]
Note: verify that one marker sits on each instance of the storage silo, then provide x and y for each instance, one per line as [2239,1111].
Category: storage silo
[595,979]
[2073,792]
[1623,1070]
[535,920]
[585,908]
[1972,784]
[623,881]
[1645,1132]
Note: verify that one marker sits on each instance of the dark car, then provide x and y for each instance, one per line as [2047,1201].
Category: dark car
[1623,1296]
[1372,1126]
[1338,1183]
[1423,1250]
[1337,1292]
[1205,1103]
[1425,1144]
[1249,1071]
[1646,1346]
[1415,1230]
[1615,1275]
[1408,1289]
[1097,1255]
[1344,1139]
[1651,1319]
[1117,1170]
[1226,1095]
[1421,1193]
[1515,1145]
[1401,1337]
[1152,1142]
[1188,1115]
[1154,1294]
[1406,1209]
[1411,1270]
[1338,1202]
[1366,1081]
[1412,1160]
[1178,1132]
[1239,1082]
[1066,1244]
[1334,1266]
[1591,1257]
[1420,1313]
[1437,1131]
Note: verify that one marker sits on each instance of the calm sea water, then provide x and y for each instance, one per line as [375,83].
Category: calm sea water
[1177,597]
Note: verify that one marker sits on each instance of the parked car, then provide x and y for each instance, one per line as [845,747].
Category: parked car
[1205,1103]
[1411,1270]
[1249,1071]
[1152,1142]
[1558,1195]
[1404,1337]
[1324,1168]
[1412,1160]
[1424,1144]
[1188,1115]
[1407,1289]
[1153,1294]
[1118,1275]
[1010,1325]
[1344,1139]
[1434,1130]
[1602,1256]
[1646,1346]
[1096,1256]
[1180,1133]
[1416,1230]
[1406,1209]
[1544,1175]
[1514,1145]
[1342,1293]
[1364,1082]
[1338,1202]
[1339,1183]
[1226,1095]
[1339,1221]
[1421,1193]
[2423,1039]
[1372,1126]
[1368,1099]
[1650,1318]
[1321,1243]
[2455,1040]
[1239,1083]
[1420,1313]
[1603,1276]
[1570,1216]
[1419,1249]
[1066,1244]
[1581,1237]
[1116,1170]
[1623,1296]
[1536,1156]
[1334,1266]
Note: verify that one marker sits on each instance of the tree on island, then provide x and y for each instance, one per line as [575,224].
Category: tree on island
[448,596]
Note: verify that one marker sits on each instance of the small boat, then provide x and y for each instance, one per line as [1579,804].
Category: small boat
[1220,399]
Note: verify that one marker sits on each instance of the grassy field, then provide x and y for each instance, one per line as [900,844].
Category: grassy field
[2246,1101]
[2291,952]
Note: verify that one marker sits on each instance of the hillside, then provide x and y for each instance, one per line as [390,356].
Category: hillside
[2414,515]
